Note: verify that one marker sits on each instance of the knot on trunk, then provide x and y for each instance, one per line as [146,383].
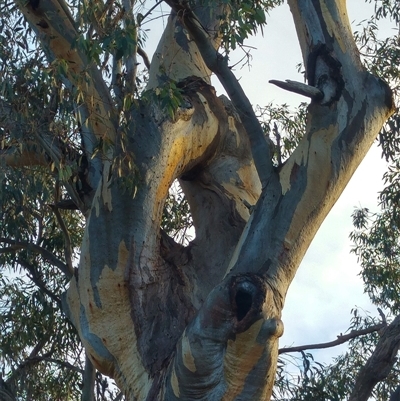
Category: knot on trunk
[250,298]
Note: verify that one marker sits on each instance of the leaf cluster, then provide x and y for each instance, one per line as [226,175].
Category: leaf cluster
[243,19]
[177,220]
[284,126]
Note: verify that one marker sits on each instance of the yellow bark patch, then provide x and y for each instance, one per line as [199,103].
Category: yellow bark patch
[332,25]
[319,171]
[239,245]
[242,354]
[171,59]
[112,323]
[175,384]
[232,127]
[189,143]
[187,357]
[244,188]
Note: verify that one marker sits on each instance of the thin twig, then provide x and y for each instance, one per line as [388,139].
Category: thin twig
[340,340]
[35,277]
[64,229]
[63,364]
[144,56]
[299,88]
[49,256]
[151,10]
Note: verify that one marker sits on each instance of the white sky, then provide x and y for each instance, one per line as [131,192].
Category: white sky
[327,285]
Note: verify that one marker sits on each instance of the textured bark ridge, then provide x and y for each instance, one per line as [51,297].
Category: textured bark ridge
[202,322]
[379,364]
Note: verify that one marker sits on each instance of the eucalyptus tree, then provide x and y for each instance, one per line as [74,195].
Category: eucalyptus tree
[169,321]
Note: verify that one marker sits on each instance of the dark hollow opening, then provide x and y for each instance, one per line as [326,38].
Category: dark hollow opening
[243,304]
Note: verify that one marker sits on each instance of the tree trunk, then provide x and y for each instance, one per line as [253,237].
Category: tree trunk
[202,322]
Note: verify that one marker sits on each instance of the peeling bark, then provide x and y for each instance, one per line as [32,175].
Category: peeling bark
[223,342]
[203,321]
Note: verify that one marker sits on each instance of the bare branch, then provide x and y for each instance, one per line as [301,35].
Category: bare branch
[151,10]
[56,156]
[116,80]
[299,88]
[89,378]
[28,362]
[131,59]
[340,340]
[58,362]
[49,256]
[144,56]
[35,277]
[64,229]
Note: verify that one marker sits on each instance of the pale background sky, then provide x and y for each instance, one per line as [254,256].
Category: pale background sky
[327,285]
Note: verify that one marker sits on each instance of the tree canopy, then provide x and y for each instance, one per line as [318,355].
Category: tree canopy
[109,155]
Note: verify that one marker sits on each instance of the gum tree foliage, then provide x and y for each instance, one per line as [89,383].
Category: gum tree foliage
[94,280]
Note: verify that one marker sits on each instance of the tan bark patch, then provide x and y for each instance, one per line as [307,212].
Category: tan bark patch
[331,25]
[319,171]
[190,143]
[241,356]
[175,384]
[188,359]
[238,248]
[177,63]
[112,323]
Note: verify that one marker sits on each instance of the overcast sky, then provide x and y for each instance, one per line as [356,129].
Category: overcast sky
[327,285]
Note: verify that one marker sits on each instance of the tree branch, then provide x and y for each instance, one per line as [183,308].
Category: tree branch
[218,65]
[64,229]
[58,362]
[379,364]
[144,56]
[56,156]
[13,157]
[57,32]
[35,277]
[131,59]
[299,88]
[340,340]
[89,378]
[29,361]
[49,256]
